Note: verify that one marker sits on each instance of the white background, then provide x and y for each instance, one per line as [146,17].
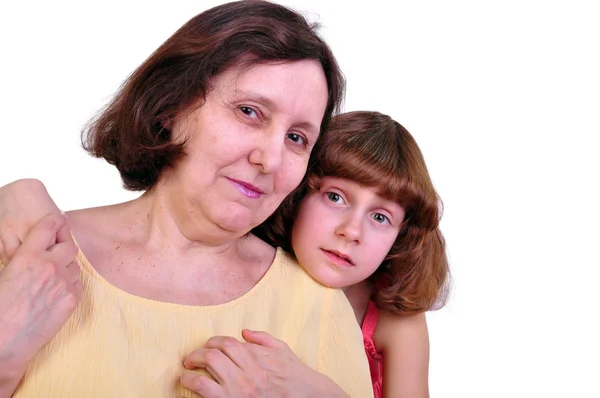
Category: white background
[503,98]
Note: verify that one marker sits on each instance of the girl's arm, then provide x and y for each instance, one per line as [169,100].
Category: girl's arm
[23,203]
[39,289]
[404,343]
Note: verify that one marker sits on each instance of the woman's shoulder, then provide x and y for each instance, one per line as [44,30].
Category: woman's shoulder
[293,281]
[289,266]
[98,218]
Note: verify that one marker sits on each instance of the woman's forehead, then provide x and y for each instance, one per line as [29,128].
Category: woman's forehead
[298,88]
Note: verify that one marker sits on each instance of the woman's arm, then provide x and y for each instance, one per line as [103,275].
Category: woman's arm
[404,343]
[22,204]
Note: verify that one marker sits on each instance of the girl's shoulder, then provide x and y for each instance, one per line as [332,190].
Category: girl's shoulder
[404,344]
[393,329]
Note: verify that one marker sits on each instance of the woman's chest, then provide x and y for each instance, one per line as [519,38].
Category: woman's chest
[124,346]
[177,280]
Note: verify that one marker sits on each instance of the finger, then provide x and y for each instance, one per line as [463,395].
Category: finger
[78,289]
[234,349]
[3,257]
[202,385]
[11,243]
[262,338]
[64,234]
[257,350]
[63,253]
[43,235]
[73,272]
[213,360]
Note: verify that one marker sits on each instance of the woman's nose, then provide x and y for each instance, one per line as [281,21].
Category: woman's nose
[268,151]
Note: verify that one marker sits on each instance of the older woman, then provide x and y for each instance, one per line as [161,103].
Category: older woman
[216,127]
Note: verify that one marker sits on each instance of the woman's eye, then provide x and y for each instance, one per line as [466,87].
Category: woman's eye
[380,218]
[248,111]
[334,197]
[297,138]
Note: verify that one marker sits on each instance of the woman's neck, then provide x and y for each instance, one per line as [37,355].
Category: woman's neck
[163,223]
[146,225]
[137,246]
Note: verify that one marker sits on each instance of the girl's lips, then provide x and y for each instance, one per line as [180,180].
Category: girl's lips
[247,189]
[338,258]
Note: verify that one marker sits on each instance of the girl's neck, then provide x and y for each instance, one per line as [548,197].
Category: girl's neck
[359,295]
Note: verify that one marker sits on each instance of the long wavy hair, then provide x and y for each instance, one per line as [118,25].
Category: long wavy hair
[376,151]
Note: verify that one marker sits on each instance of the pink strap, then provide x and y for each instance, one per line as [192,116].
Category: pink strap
[368,326]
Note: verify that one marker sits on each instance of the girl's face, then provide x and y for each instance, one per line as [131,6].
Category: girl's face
[344,231]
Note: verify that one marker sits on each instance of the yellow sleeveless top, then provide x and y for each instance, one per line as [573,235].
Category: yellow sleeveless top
[119,345]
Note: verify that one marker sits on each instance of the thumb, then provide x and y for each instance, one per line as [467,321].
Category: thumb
[43,235]
[260,338]
[64,233]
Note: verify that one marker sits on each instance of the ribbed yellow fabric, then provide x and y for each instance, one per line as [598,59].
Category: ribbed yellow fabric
[119,345]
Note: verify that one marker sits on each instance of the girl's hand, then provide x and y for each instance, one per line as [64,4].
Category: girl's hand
[39,289]
[22,204]
[261,367]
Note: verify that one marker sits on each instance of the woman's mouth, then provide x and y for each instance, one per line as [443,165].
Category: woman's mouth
[247,189]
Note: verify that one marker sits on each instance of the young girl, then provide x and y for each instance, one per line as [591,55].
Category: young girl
[366,220]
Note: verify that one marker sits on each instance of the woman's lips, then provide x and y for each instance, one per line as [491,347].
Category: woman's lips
[246,189]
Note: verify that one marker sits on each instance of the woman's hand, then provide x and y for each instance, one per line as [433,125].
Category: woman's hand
[39,289]
[22,204]
[261,367]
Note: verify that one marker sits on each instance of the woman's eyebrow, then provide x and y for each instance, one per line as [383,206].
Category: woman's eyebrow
[256,97]
[269,103]
[308,127]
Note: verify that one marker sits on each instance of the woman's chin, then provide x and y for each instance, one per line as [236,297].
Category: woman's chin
[238,221]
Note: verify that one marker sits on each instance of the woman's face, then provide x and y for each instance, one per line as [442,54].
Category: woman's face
[248,146]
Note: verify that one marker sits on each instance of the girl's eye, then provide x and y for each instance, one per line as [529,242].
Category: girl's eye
[297,139]
[380,218]
[248,111]
[334,197]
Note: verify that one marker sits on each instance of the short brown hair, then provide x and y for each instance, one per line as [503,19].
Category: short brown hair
[131,131]
[375,150]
